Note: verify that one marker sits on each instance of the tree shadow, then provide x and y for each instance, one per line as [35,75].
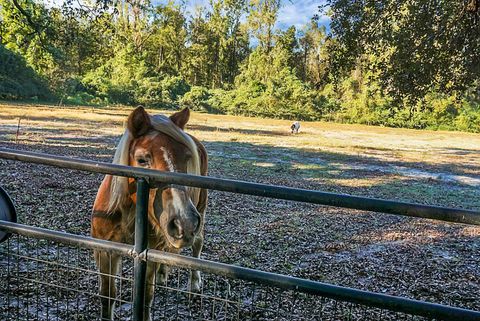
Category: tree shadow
[297,167]
[294,159]
[95,149]
[456,151]
[74,120]
[239,131]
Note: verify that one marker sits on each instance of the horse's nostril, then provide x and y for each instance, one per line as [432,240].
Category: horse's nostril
[175,228]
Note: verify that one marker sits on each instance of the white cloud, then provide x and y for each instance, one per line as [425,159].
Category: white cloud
[293,12]
[299,13]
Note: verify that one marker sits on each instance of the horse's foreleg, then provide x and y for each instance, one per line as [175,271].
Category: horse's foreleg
[108,265]
[195,277]
[163,274]
[150,288]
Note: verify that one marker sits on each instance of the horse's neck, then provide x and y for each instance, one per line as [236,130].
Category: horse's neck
[156,239]
[128,223]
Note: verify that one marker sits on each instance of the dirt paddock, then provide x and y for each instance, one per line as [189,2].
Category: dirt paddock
[414,258]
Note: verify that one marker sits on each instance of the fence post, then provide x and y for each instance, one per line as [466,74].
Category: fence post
[141,242]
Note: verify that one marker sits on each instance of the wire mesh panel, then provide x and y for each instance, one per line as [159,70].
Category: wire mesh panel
[222,298]
[45,280]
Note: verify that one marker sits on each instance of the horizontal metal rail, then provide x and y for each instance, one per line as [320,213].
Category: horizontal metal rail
[340,293]
[286,193]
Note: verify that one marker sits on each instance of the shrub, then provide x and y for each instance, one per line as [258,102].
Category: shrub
[173,88]
[81,98]
[19,81]
[469,115]
[197,99]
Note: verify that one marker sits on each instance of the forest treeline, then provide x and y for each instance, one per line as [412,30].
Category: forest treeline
[412,64]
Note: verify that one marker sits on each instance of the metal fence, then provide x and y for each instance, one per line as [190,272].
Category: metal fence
[50,275]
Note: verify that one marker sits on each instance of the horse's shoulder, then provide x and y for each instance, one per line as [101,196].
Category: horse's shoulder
[103,195]
[106,225]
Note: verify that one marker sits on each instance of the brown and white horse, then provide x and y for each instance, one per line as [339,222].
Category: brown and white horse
[176,215]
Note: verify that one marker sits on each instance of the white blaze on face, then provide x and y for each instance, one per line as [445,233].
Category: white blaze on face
[177,198]
[177,202]
[168,160]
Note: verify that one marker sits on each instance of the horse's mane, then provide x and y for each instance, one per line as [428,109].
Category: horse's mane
[119,192]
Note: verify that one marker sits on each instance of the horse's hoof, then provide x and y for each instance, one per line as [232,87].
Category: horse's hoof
[162,278]
[195,287]
[162,275]
[195,282]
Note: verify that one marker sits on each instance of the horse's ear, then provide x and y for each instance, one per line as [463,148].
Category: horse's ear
[181,118]
[139,122]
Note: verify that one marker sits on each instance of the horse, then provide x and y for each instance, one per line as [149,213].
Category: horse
[295,127]
[176,215]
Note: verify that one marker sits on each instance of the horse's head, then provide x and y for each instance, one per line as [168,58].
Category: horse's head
[156,146]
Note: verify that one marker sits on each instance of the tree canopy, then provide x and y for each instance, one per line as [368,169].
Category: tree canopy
[415,45]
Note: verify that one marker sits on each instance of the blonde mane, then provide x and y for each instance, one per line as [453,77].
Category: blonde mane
[119,185]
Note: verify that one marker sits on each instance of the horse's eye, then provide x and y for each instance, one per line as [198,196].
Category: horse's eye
[142,161]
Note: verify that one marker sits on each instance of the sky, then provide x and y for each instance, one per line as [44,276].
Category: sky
[299,12]
[293,12]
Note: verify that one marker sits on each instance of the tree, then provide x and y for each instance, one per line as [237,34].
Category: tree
[27,30]
[419,44]
[314,57]
[268,85]
[288,43]
[218,43]
[414,63]
[17,80]
[261,21]
[166,44]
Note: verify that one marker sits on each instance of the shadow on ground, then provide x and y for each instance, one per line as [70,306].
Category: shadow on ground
[373,251]
[238,131]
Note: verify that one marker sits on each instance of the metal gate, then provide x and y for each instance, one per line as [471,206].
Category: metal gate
[50,275]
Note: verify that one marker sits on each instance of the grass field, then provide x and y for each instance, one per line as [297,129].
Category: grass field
[416,258]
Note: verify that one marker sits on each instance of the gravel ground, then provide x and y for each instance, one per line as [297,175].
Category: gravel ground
[413,258]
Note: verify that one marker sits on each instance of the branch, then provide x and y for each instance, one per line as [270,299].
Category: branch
[36,27]
[27,16]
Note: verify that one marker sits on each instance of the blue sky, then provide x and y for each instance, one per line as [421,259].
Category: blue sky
[293,12]
[299,12]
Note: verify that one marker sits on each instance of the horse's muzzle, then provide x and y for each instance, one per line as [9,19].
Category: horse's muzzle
[182,229]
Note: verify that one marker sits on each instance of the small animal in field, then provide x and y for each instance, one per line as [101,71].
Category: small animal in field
[176,214]
[295,127]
